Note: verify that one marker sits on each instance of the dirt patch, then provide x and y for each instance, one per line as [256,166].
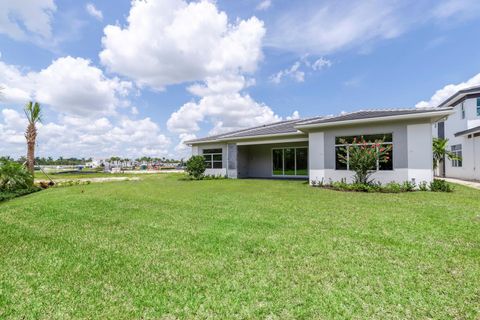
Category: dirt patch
[92,180]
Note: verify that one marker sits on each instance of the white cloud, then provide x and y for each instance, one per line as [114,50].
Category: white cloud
[297,73]
[324,27]
[82,137]
[21,19]
[295,115]
[69,85]
[93,11]
[264,5]
[223,106]
[293,71]
[463,9]
[321,63]
[447,91]
[17,87]
[181,149]
[327,27]
[172,41]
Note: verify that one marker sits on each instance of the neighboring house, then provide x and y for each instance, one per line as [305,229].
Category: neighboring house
[462,129]
[308,148]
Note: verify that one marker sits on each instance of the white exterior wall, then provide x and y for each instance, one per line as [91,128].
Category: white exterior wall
[195,151]
[476,158]
[396,175]
[420,155]
[470,146]
[316,156]
[216,172]
[198,150]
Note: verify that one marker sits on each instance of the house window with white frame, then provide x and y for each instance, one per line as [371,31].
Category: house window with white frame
[457,151]
[478,107]
[462,108]
[213,158]
[342,145]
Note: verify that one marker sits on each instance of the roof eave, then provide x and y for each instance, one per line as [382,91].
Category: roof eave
[467,132]
[193,142]
[431,115]
[458,96]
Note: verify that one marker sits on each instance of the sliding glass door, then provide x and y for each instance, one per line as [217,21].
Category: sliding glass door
[290,161]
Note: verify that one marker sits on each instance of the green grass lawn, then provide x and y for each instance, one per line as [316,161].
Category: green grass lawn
[165,248]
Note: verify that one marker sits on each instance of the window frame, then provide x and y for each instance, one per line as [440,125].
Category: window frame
[462,110]
[211,155]
[457,150]
[283,162]
[347,145]
[478,107]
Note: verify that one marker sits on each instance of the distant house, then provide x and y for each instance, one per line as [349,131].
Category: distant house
[462,129]
[309,148]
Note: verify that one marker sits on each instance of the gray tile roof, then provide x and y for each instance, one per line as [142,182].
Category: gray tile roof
[464,132]
[291,126]
[368,114]
[287,126]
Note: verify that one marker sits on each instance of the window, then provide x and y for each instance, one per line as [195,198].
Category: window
[478,107]
[342,152]
[462,107]
[290,161]
[213,158]
[457,150]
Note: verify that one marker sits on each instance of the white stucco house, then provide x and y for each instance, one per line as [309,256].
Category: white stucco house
[462,129]
[308,148]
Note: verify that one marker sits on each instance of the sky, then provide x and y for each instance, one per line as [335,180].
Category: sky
[137,78]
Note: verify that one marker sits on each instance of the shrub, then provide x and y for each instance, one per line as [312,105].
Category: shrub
[196,167]
[360,187]
[393,187]
[438,185]
[217,177]
[14,177]
[423,186]
[408,186]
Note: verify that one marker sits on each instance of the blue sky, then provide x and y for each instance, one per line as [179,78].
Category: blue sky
[136,78]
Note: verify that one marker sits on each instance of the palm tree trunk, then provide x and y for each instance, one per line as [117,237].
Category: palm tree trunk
[31,156]
[31,136]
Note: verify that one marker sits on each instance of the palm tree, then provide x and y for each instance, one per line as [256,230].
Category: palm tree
[440,152]
[34,115]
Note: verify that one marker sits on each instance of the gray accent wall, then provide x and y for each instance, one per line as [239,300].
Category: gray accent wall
[232,156]
[400,141]
[255,161]
[232,160]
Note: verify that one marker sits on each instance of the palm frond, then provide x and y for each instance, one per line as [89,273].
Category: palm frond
[33,112]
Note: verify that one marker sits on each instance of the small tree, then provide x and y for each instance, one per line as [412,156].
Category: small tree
[14,176]
[196,167]
[34,115]
[362,157]
[440,151]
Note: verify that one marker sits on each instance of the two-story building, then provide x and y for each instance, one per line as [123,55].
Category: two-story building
[462,129]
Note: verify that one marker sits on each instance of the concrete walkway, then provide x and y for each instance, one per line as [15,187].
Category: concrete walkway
[471,184]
